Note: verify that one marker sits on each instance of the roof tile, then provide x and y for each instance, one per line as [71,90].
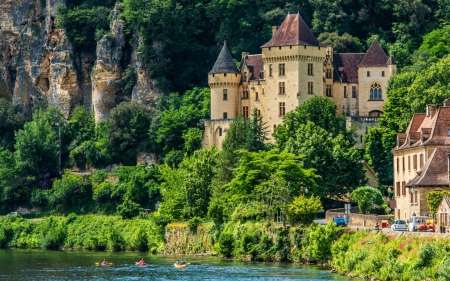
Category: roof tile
[347,66]
[375,56]
[224,62]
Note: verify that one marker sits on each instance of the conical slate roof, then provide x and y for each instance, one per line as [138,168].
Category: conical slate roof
[224,62]
[391,60]
[293,31]
[375,56]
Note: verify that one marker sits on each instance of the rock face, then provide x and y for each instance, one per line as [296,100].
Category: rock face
[38,65]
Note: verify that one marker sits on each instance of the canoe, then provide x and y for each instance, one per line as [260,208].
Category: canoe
[180,265]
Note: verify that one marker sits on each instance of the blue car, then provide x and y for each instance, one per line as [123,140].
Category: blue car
[338,221]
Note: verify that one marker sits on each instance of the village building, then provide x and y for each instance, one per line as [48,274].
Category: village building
[421,162]
[442,215]
[293,67]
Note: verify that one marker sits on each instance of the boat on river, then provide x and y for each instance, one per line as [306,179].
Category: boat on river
[176,265]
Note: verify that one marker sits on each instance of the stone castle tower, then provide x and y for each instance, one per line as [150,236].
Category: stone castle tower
[293,67]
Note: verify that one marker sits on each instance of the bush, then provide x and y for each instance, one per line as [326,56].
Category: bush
[116,241]
[226,244]
[304,209]
[264,249]
[140,240]
[318,241]
[128,209]
[194,223]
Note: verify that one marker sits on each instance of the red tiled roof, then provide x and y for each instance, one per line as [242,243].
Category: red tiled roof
[375,56]
[347,66]
[440,127]
[293,31]
[434,171]
[256,65]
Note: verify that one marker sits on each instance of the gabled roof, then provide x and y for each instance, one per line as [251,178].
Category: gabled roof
[256,66]
[375,56]
[224,62]
[391,60]
[346,66]
[435,171]
[293,31]
[446,199]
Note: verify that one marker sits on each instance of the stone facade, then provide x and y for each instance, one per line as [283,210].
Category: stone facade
[421,161]
[293,67]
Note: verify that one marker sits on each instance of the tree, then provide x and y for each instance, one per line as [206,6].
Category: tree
[128,128]
[336,160]
[256,133]
[319,110]
[344,43]
[366,196]
[304,209]
[434,199]
[11,120]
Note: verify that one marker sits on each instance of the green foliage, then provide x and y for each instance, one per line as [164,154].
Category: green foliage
[128,209]
[344,43]
[226,244]
[366,196]
[129,79]
[140,240]
[128,128]
[11,120]
[434,199]
[194,222]
[318,241]
[304,209]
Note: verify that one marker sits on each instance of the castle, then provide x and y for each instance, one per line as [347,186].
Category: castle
[293,67]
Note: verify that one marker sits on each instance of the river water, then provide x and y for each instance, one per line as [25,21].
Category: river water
[81,265]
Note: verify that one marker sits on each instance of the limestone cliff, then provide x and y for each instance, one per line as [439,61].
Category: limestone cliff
[38,64]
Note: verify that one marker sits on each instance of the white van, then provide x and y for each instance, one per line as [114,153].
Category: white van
[414,222]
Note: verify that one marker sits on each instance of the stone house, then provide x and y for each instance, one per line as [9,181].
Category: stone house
[293,67]
[421,162]
[442,222]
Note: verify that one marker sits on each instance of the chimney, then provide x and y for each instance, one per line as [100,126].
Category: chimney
[447,103]
[274,29]
[244,55]
[431,110]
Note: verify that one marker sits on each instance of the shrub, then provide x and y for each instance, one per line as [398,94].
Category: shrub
[226,244]
[128,209]
[426,254]
[318,241]
[194,223]
[140,240]
[264,249]
[304,209]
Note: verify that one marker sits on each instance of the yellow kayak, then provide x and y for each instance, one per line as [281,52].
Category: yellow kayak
[176,265]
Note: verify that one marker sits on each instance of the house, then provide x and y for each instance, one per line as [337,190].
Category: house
[421,162]
[443,223]
[293,67]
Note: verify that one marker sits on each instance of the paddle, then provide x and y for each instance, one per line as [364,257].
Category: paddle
[99,263]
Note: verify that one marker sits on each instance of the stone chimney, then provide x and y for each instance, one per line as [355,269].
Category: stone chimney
[431,110]
[274,29]
[244,55]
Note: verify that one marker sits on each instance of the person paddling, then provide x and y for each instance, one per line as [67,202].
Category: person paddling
[142,262]
[104,263]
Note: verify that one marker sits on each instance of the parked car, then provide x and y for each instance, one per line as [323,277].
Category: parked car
[399,225]
[418,223]
[338,221]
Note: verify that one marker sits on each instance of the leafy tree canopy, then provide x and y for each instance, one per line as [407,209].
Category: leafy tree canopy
[366,196]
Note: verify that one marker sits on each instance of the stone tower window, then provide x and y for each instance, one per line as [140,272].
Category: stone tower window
[245,111]
[310,69]
[282,88]
[225,115]
[257,96]
[328,74]
[220,132]
[375,92]
[245,76]
[225,94]
[245,93]
[368,73]
[282,108]
[282,69]
[270,70]
[310,88]
[328,91]
[354,92]
[382,73]
[345,91]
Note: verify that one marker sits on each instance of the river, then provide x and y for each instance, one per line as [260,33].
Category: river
[81,265]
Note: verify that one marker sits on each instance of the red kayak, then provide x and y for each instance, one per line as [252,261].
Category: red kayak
[141,264]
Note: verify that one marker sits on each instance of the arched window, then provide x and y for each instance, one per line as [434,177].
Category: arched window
[375,113]
[375,92]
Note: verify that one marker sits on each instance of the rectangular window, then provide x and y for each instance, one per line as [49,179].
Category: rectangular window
[220,132]
[270,70]
[398,163]
[245,76]
[404,188]
[282,88]
[282,110]
[411,198]
[245,93]
[328,91]
[274,127]
[282,69]
[415,162]
[398,189]
[409,163]
[310,69]
[256,96]
[382,73]
[259,112]
[225,74]
[368,73]
[225,94]
[328,74]
[421,160]
[415,197]
[310,88]
[403,164]
[245,111]
[225,115]
[345,91]
[354,92]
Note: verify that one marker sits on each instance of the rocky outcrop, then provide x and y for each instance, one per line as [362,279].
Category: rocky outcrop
[38,64]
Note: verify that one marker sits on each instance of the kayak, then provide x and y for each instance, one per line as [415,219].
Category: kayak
[140,264]
[179,265]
